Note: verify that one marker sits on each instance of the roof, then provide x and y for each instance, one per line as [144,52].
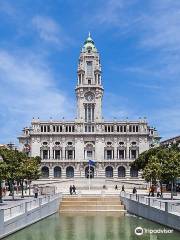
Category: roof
[89,44]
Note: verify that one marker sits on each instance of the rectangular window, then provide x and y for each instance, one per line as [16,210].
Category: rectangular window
[133,154]
[93,114]
[121,154]
[89,69]
[57,154]
[89,154]
[70,154]
[45,154]
[85,113]
[109,154]
[89,114]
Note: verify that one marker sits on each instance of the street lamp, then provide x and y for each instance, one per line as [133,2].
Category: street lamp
[1,160]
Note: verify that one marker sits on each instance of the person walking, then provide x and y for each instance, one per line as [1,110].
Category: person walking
[122,189]
[36,191]
[74,189]
[152,190]
[158,191]
[70,190]
[134,190]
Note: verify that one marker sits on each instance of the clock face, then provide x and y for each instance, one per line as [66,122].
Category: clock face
[89,96]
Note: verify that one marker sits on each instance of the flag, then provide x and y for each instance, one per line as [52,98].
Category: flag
[92,162]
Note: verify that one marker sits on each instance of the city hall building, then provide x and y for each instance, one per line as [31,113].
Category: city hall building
[65,147]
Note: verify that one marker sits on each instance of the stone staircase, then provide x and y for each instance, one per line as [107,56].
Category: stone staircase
[91,204]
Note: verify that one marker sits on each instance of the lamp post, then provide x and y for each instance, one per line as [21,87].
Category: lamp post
[1,160]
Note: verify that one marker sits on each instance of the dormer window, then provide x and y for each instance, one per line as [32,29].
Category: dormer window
[45,143]
[89,81]
[133,143]
[89,49]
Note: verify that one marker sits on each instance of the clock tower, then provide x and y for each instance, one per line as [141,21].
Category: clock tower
[89,89]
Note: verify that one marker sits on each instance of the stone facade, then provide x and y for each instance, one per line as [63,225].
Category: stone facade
[66,147]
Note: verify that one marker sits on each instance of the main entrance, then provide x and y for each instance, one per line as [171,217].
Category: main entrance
[91,172]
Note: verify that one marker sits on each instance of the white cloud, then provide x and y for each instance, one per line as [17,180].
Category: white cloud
[50,31]
[28,89]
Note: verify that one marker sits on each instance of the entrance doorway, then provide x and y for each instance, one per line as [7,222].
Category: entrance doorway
[91,172]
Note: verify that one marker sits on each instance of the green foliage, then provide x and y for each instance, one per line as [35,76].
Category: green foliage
[161,163]
[17,166]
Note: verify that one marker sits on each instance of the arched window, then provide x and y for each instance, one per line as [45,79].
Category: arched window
[121,172]
[69,172]
[45,172]
[134,172]
[109,172]
[57,172]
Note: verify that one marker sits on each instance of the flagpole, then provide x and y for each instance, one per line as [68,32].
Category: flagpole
[89,176]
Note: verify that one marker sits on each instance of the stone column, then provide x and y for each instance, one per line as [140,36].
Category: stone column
[128,172]
[51,174]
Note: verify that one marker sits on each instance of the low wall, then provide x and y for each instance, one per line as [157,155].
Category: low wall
[160,213]
[12,220]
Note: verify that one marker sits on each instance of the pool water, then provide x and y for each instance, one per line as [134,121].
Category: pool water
[91,227]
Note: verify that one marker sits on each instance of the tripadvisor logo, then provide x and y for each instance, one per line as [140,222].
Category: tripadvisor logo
[140,231]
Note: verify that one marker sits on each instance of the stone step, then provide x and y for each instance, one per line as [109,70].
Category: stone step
[94,211]
[104,199]
[92,207]
[83,202]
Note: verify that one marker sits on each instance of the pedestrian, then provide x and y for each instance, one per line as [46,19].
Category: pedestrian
[74,189]
[4,191]
[152,190]
[134,190]
[116,187]
[70,190]
[158,191]
[36,191]
[122,189]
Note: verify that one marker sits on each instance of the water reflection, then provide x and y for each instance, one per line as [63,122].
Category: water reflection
[90,227]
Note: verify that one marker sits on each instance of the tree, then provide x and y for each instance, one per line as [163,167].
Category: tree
[161,163]
[19,167]
[3,174]
[152,171]
[171,167]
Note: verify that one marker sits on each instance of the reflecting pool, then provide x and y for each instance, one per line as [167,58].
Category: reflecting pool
[91,227]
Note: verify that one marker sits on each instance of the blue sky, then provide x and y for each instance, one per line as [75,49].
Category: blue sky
[40,42]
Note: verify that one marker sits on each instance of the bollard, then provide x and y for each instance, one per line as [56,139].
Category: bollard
[26,207]
[40,202]
[1,221]
[166,207]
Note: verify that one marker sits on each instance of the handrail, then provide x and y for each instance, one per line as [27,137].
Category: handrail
[21,208]
[170,207]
